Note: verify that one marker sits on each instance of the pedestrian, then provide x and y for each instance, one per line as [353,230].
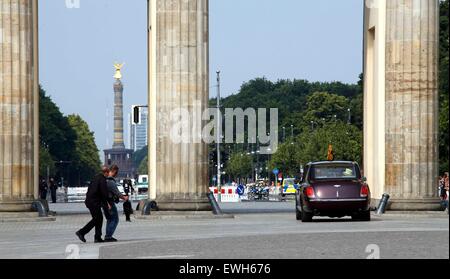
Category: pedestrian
[128,187]
[446,187]
[127,205]
[128,209]
[43,188]
[53,188]
[96,198]
[114,197]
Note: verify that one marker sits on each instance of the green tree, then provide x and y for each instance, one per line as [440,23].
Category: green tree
[313,146]
[346,140]
[324,107]
[443,86]
[143,167]
[46,163]
[55,132]
[239,166]
[86,162]
[286,159]
[139,156]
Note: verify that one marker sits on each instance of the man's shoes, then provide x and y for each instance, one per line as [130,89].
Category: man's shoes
[99,240]
[111,239]
[81,237]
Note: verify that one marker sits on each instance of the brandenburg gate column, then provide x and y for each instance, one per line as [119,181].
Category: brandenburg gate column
[401,90]
[178,81]
[18,105]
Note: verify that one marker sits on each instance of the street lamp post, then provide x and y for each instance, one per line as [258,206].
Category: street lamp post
[349,116]
[219,120]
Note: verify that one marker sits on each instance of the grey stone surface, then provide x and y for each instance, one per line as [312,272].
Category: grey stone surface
[272,234]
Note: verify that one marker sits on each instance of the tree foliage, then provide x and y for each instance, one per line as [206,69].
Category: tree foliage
[65,139]
[86,162]
[240,166]
[143,166]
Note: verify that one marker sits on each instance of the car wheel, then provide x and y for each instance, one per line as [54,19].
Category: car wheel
[306,217]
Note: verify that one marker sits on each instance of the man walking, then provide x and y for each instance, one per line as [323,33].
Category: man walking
[96,198]
[43,188]
[114,196]
[53,188]
[127,206]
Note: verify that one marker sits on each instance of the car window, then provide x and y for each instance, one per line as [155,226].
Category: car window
[321,172]
[289,181]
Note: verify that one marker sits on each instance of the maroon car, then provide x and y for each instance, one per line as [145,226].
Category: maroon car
[333,189]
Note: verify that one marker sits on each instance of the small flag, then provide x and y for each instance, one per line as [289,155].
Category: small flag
[330,156]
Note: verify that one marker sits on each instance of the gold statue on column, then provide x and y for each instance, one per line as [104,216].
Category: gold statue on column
[118,67]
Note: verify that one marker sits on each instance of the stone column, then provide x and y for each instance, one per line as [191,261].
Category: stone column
[412,45]
[118,115]
[178,54]
[18,104]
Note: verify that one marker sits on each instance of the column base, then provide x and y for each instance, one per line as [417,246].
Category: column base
[198,204]
[425,204]
[16,206]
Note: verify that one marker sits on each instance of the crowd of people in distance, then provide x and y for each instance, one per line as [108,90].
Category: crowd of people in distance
[443,189]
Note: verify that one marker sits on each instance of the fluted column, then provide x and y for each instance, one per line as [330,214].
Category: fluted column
[412,41]
[18,104]
[179,42]
[118,115]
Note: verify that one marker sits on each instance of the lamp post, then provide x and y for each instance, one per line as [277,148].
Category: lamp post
[219,132]
[349,116]
[63,163]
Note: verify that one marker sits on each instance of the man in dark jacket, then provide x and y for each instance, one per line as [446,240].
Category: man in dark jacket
[43,188]
[114,197]
[53,188]
[96,198]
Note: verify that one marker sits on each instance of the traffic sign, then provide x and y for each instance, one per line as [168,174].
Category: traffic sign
[276,171]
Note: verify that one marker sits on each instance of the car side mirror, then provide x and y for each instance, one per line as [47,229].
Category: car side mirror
[364,179]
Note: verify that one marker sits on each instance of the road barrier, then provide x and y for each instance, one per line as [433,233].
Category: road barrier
[76,194]
[228,194]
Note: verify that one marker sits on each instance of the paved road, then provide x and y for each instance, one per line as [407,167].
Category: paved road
[272,234]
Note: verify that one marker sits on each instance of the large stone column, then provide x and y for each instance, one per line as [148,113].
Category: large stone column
[18,104]
[402,101]
[412,45]
[118,115]
[178,75]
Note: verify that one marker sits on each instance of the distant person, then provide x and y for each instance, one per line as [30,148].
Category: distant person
[446,187]
[127,205]
[128,187]
[96,198]
[53,187]
[114,197]
[43,188]
[128,209]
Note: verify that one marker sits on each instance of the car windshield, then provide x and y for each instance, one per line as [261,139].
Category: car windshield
[321,172]
[289,181]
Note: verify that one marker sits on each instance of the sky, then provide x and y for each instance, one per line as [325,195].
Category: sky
[317,40]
